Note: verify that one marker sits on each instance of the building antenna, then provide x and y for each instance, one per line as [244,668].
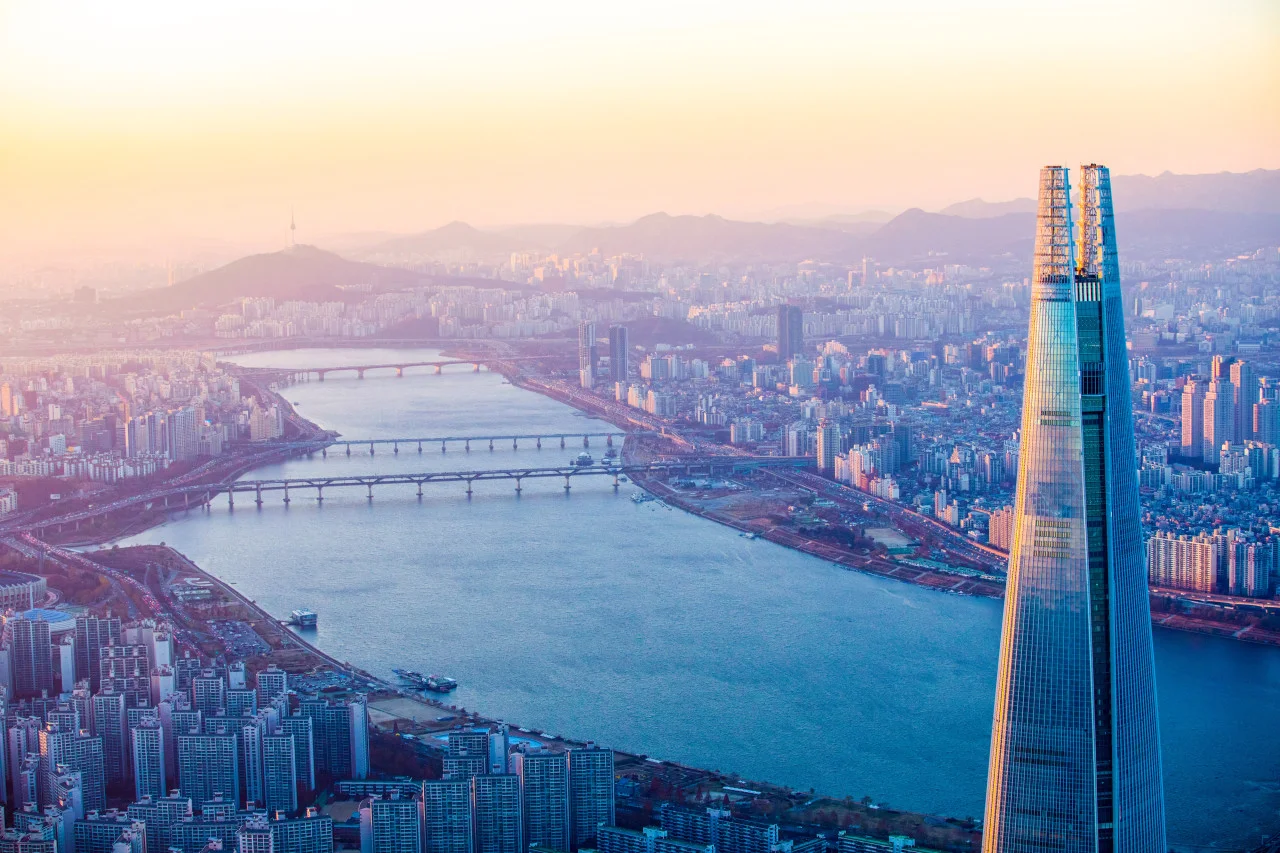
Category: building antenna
[293,228]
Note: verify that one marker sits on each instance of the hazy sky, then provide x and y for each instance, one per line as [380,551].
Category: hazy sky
[149,125]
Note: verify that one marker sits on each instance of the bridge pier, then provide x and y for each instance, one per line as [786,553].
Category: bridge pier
[566,484]
[419,446]
[371,448]
[562,442]
[468,447]
[324,453]
[360,373]
[231,498]
[258,496]
[399,373]
[419,491]
[286,494]
[395,448]
[615,481]
[586,441]
[608,441]
[442,450]
[515,444]
[320,373]
[468,490]
[439,370]
[475,368]
[348,449]
[491,445]
[518,486]
[319,494]
[370,485]
[186,501]
[539,442]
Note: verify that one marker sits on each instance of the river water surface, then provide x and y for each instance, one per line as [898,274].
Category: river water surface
[644,628]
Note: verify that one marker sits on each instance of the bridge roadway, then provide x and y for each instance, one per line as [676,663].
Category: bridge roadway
[445,440]
[198,495]
[304,373]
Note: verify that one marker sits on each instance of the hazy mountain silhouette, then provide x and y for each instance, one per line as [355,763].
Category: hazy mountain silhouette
[665,237]
[305,273]
[976,208]
[1248,192]
[1239,192]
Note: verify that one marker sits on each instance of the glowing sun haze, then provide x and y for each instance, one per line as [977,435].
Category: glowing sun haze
[152,124]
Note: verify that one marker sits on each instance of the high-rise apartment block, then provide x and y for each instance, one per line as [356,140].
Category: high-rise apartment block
[150,778]
[30,656]
[1075,748]
[1193,419]
[790,332]
[619,354]
[587,357]
[208,767]
[591,792]
[544,792]
[496,821]
[446,806]
[391,824]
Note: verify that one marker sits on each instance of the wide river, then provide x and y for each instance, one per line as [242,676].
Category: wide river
[644,628]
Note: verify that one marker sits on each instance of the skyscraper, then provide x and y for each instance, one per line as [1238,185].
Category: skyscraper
[208,766]
[149,777]
[31,656]
[391,824]
[1075,747]
[109,723]
[1245,385]
[587,353]
[446,805]
[279,771]
[828,445]
[467,754]
[619,353]
[1219,418]
[92,634]
[1193,419]
[79,753]
[790,332]
[590,792]
[495,814]
[544,790]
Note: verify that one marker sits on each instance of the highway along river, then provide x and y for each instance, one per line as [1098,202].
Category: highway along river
[642,627]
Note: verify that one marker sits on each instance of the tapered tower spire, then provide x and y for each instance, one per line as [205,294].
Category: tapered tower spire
[1075,747]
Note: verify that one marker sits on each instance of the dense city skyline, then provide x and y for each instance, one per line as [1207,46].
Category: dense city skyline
[660,428]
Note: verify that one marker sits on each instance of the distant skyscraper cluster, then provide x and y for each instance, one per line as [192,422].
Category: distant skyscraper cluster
[1226,562]
[90,703]
[494,798]
[1075,750]
[1225,409]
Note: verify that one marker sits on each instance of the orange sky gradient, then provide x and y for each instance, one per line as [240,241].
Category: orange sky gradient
[144,129]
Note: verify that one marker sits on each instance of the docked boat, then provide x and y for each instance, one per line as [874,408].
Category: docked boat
[583,460]
[434,683]
[303,618]
[440,684]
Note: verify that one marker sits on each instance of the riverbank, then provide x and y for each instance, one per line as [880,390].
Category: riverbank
[640,626]
[979,579]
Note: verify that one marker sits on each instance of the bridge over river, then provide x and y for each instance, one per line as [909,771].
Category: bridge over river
[444,441]
[200,495]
